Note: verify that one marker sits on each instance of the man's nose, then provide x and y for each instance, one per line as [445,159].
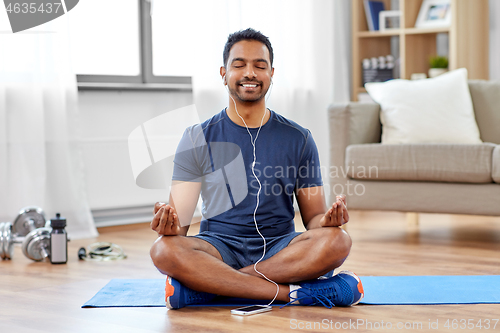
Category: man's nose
[249,72]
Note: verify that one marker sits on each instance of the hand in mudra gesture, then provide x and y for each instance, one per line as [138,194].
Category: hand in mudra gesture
[165,221]
[337,215]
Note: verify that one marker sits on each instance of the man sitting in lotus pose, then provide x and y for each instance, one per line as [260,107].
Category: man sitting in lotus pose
[279,161]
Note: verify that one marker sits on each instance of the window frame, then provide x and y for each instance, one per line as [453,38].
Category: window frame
[146,80]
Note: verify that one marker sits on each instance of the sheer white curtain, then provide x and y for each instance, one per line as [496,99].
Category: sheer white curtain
[40,162]
[312,57]
[494,39]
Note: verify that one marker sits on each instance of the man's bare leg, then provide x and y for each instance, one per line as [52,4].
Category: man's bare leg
[198,265]
[308,256]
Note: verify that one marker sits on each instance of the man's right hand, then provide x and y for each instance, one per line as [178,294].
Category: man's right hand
[166,221]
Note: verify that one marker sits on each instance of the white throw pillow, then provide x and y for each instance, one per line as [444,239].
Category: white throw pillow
[437,110]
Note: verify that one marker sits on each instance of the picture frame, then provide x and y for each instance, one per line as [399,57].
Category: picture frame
[434,14]
[389,20]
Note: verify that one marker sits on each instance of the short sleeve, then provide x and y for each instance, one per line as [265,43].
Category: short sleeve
[188,159]
[309,171]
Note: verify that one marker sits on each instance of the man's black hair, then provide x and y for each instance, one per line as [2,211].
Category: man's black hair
[247,34]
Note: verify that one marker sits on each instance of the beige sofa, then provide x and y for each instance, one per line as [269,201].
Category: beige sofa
[431,178]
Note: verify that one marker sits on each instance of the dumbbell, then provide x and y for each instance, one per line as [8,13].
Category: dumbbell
[6,240]
[28,223]
[31,223]
[36,244]
[28,219]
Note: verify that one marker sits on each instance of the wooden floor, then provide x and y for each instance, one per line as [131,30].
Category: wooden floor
[40,297]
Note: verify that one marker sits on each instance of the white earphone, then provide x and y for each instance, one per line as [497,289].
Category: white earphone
[253,141]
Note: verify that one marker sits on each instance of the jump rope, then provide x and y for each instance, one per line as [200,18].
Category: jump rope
[253,141]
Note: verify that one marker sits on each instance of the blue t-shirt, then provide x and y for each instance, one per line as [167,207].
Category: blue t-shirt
[219,154]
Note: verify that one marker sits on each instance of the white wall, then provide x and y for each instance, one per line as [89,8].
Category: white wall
[107,118]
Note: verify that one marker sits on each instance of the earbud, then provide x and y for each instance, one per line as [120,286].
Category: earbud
[224,79]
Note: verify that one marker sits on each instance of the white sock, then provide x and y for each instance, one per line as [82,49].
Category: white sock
[293,293]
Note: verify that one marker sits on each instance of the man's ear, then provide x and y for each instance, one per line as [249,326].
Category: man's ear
[223,74]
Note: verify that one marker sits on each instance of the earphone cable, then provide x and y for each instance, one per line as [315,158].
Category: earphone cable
[253,141]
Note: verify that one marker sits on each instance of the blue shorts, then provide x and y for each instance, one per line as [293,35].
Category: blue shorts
[239,252]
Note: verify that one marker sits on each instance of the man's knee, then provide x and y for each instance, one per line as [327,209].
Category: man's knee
[164,253]
[336,241]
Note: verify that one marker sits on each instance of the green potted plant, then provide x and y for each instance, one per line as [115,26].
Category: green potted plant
[439,65]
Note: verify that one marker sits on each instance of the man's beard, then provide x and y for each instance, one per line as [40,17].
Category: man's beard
[252,98]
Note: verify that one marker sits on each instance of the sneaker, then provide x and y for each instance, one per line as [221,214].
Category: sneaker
[178,296]
[343,289]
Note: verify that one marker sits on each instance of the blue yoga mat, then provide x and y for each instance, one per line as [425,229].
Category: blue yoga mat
[151,292]
[381,290]
[454,289]
[128,293]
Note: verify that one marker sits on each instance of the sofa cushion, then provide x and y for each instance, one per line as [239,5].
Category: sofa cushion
[486,101]
[437,110]
[495,173]
[421,162]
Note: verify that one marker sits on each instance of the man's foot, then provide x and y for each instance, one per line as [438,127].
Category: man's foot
[343,289]
[178,296]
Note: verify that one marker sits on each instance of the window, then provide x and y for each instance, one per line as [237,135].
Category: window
[168,20]
[111,46]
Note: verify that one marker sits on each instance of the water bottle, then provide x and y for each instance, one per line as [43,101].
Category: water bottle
[58,240]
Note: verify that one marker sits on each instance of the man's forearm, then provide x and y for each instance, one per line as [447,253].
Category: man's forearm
[314,222]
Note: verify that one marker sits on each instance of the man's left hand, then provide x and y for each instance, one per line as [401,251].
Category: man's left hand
[337,215]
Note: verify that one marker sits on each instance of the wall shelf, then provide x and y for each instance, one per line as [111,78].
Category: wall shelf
[468,37]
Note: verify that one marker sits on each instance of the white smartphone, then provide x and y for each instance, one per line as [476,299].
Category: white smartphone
[252,309]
